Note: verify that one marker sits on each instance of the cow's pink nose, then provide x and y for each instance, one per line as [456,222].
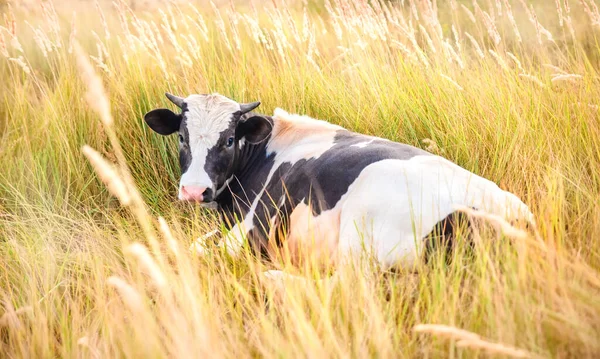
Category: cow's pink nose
[192,193]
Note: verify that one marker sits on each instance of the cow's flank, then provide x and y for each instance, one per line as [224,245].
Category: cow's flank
[313,237]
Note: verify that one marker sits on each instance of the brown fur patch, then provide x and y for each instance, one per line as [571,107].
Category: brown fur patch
[314,136]
[313,238]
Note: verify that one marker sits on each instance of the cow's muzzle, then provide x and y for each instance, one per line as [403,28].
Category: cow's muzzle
[196,194]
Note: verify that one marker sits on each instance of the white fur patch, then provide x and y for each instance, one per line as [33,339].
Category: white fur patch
[363,144]
[395,203]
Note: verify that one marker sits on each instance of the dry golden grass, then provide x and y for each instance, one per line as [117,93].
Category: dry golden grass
[98,260]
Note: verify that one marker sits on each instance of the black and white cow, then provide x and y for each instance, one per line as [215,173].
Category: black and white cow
[304,183]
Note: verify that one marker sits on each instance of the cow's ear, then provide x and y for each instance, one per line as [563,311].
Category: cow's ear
[254,129]
[163,121]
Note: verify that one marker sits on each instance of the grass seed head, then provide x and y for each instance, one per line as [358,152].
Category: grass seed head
[566,77]
[533,79]
[449,79]
[149,265]
[469,13]
[130,296]
[467,339]
[108,174]
[95,95]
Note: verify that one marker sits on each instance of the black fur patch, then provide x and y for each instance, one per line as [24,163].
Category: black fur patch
[185,155]
[443,235]
[220,158]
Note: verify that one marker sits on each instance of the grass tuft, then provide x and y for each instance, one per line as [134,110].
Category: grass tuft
[99,260]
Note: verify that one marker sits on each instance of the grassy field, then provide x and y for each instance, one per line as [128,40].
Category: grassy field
[507,89]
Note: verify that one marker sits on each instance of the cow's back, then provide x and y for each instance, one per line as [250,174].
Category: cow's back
[326,178]
[323,181]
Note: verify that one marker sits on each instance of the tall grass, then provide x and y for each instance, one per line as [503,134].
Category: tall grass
[94,258]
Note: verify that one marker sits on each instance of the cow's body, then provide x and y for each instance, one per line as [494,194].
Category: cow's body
[332,191]
[318,189]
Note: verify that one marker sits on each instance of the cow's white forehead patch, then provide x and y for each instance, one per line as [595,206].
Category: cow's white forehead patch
[206,117]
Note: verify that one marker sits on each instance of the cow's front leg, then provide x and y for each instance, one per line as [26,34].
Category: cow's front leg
[233,241]
[200,245]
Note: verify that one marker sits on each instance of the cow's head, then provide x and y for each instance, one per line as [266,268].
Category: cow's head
[212,129]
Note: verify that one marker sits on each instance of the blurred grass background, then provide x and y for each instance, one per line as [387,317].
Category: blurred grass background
[507,89]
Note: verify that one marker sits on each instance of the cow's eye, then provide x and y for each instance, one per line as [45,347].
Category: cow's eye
[180,138]
[230,142]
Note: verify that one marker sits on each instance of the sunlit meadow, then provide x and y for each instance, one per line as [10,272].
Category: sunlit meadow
[95,256]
